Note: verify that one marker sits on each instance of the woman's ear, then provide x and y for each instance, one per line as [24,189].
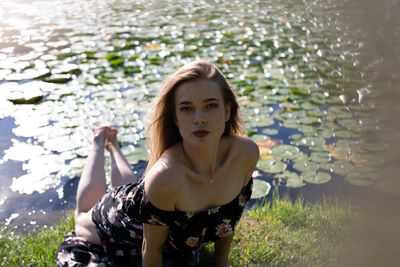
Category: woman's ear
[227,112]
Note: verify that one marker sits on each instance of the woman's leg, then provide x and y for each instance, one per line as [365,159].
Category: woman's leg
[121,172]
[92,185]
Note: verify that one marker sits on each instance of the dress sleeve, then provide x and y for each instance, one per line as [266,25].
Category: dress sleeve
[150,214]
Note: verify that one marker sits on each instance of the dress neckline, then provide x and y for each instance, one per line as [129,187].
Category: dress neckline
[196,211]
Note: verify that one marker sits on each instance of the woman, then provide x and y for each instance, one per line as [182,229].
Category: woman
[197,182]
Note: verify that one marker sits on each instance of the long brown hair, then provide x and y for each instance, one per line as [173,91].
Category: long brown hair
[162,131]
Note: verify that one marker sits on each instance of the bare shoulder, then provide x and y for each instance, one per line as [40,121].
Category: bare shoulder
[164,181]
[245,147]
[245,153]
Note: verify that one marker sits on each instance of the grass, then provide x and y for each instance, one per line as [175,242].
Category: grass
[284,233]
[37,248]
[290,234]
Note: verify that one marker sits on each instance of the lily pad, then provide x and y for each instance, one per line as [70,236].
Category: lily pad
[37,182]
[310,121]
[296,136]
[298,91]
[29,74]
[310,141]
[339,112]
[338,167]
[316,177]
[28,93]
[345,153]
[265,147]
[292,180]
[26,100]
[285,151]
[307,130]
[135,153]
[260,121]
[326,133]
[288,175]
[67,69]
[20,151]
[49,163]
[58,78]
[260,189]
[295,183]
[259,137]
[291,123]
[361,178]
[290,106]
[305,165]
[321,157]
[269,131]
[271,165]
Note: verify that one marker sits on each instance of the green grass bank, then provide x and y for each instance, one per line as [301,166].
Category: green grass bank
[284,233]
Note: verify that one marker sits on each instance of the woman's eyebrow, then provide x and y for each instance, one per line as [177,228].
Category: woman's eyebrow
[185,102]
[211,99]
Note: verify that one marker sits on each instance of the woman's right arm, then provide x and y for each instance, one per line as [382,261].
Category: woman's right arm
[162,188]
[154,237]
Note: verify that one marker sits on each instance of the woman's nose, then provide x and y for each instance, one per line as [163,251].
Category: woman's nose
[199,119]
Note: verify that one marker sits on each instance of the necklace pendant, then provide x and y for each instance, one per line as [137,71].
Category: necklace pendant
[211,181]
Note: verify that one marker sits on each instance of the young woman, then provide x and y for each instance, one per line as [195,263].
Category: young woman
[196,185]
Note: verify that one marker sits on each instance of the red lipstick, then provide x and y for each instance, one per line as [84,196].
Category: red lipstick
[200,133]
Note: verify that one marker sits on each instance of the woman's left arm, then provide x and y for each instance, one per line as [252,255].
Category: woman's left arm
[250,154]
[248,163]
[222,247]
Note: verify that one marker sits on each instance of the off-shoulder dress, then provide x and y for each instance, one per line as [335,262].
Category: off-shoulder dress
[118,218]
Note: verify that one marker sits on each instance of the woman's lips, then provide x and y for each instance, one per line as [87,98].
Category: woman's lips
[200,133]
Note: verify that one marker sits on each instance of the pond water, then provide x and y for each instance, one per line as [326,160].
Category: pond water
[65,65]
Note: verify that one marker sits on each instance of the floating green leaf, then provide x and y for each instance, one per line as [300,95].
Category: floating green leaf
[310,121]
[285,151]
[291,123]
[31,100]
[298,91]
[259,121]
[309,141]
[321,157]
[338,167]
[259,137]
[295,136]
[361,177]
[292,180]
[269,131]
[316,177]
[305,165]
[271,165]
[260,189]
[58,78]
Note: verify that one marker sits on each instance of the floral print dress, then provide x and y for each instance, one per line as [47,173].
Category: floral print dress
[118,218]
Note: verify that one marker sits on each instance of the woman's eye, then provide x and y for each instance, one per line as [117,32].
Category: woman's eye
[212,106]
[185,109]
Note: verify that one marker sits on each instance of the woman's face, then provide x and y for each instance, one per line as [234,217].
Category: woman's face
[200,111]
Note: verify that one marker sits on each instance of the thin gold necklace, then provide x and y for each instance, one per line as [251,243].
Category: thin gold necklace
[210,180]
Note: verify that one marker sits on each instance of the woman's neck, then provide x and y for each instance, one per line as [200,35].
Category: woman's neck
[203,160]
